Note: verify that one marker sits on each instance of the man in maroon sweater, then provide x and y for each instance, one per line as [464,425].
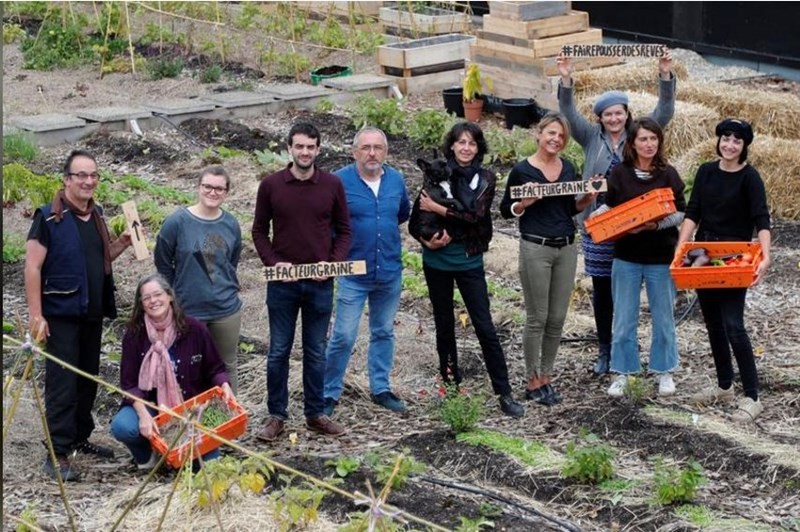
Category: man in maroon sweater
[305,210]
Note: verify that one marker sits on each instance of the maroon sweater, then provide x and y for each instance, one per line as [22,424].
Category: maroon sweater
[309,220]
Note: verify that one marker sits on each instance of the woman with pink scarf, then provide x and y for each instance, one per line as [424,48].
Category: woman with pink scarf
[167,357]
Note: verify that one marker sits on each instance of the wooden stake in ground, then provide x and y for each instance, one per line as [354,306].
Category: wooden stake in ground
[135,227]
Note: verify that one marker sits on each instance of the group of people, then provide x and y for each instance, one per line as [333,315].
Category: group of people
[182,335]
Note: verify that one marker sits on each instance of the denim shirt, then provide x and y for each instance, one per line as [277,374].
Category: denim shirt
[374,222]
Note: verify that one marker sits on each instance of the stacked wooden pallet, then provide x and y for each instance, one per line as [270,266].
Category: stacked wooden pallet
[417,20]
[519,43]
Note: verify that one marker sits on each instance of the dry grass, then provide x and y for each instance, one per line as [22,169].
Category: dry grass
[774,114]
[778,162]
[691,124]
[640,76]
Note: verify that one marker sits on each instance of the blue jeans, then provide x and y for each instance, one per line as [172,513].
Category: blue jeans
[384,298]
[284,302]
[125,428]
[626,283]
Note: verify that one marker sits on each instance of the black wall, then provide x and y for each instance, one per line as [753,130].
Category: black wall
[767,32]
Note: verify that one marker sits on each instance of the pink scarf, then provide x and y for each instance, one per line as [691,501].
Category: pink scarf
[156,371]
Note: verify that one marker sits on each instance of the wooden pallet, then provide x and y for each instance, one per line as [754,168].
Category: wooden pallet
[528,10]
[572,22]
[432,21]
[427,82]
[428,52]
[519,58]
[542,47]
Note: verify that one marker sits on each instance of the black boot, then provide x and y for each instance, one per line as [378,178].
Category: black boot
[603,360]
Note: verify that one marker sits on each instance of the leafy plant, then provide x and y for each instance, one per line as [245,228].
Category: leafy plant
[211,74]
[56,45]
[272,161]
[215,480]
[428,127]
[15,179]
[473,525]
[636,388]
[677,484]
[616,489]
[164,68]
[460,409]
[589,462]
[700,516]
[13,248]
[296,506]
[324,106]
[247,347]
[29,521]
[473,83]
[386,114]
[530,453]
[383,464]
[12,32]
[489,510]
[345,465]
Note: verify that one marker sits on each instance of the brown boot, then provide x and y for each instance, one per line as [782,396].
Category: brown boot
[272,429]
[324,425]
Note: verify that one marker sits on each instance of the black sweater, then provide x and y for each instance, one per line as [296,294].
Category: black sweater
[727,206]
[645,247]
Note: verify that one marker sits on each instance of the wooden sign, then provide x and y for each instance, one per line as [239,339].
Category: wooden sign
[135,228]
[566,188]
[318,269]
[624,51]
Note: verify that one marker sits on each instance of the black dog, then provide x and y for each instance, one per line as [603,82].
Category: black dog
[439,187]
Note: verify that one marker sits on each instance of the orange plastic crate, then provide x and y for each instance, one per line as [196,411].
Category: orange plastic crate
[650,207]
[728,276]
[232,428]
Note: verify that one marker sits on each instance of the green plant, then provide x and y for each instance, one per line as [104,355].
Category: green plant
[616,489]
[573,152]
[56,45]
[13,248]
[272,161]
[15,179]
[345,465]
[383,464]
[589,462]
[164,68]
[460,409]
[296,506]
[677,484]
[489,510]
[324,106]
[29,521]
[117,224]
[211,74]
[530,453]
[12,32]
[428,127]
[386,114]
[636,388]
[700,516]
[215,480]
[473,83]
[473,525]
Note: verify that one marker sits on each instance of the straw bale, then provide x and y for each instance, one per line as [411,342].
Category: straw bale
[777,160]
[770,113]
[691,124]
[638,76]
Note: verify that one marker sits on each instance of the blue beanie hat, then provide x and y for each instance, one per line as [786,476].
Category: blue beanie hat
[609,98]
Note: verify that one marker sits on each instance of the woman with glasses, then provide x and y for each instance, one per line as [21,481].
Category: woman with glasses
[167,358]
[197,251]
[602,144]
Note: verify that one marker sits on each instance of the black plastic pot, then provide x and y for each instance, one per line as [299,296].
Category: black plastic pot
[454,101]
[522,112]
[492,104]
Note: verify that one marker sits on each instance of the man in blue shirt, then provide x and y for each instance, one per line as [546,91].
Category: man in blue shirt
[378,204]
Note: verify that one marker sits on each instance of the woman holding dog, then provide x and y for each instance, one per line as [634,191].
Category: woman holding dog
[456,257]
[602,143]
[728,203]
[548,255]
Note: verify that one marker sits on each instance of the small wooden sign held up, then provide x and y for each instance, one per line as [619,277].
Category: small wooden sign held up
[135,228]
[566,188]
[319,269]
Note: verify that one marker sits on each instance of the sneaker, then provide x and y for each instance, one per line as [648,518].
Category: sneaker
[747,411]
[87,447]
[150,464]
[713,394]
[666,386]
[65,468]
[617,388]
[273,428]
[324,425]
[330,404]
[510,407]
[555,397]
[389,401]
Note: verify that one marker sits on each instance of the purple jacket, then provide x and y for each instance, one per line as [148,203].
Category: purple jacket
[199,366]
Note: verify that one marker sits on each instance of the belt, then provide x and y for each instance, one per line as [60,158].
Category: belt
[557,242]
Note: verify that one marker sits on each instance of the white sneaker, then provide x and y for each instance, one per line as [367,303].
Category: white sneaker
[748,410]
[713,394]
[666,386]
[617,388]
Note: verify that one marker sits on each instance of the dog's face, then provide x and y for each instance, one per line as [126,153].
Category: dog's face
[434,172]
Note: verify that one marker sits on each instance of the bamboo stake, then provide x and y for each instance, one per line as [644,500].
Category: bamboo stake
[130,39]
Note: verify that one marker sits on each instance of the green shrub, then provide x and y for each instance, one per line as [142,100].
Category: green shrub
[12,32]
[164,68]
[324,106]
[428,127]
[590,462]
[677,484]
[55,46]
[636,388]
[386,114]
[383,465]
[13,248]
[460,409]
[345,465]
[211,74]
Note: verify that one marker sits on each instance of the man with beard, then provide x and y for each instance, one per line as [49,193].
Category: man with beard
[301,217]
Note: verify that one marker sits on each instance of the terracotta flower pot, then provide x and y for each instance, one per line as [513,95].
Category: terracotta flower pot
[473,110]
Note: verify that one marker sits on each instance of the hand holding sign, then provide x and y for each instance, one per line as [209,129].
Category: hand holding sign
[136,230]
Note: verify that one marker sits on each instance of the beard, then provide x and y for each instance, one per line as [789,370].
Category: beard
[303,166]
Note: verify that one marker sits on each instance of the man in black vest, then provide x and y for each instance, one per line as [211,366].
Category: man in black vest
[70,289]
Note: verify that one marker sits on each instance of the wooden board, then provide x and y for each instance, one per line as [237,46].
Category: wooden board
[528,10]
[549,46]
[427,82]
[444,22]
[320,269]
[568,188]
[340,8]
[425,52]
[523,59]
[516,84]
[136,230]
[572,22]
[580,63]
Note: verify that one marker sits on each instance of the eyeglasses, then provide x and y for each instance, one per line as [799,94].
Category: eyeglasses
[209,188]
[156,295]
[83,176]
[370,147]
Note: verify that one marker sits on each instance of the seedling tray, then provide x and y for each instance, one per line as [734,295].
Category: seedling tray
[650,207]
[728,276]
[230,429]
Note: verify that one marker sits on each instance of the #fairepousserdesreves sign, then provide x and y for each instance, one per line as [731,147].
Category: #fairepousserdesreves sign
[566,188]
[316,269]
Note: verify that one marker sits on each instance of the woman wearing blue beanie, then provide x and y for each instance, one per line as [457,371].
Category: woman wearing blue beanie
[602,144]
